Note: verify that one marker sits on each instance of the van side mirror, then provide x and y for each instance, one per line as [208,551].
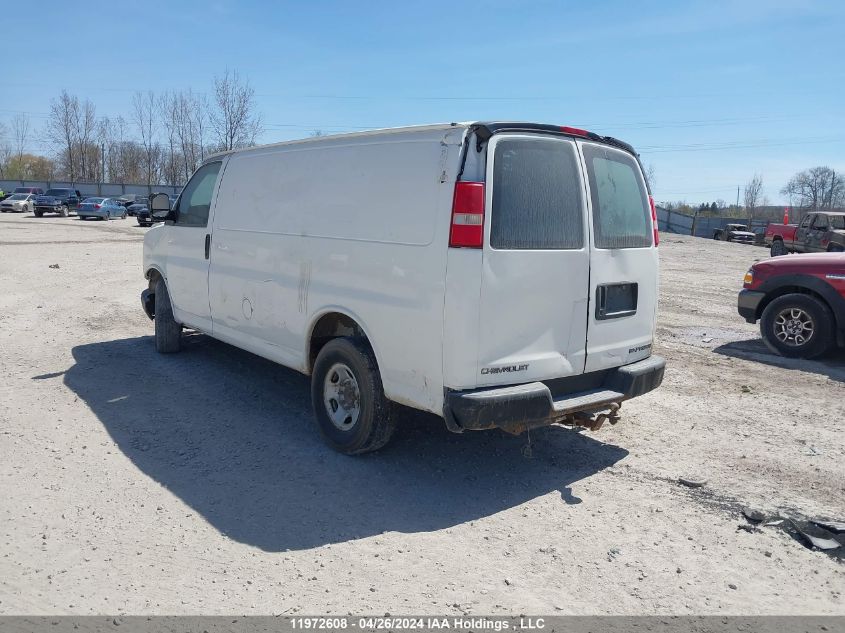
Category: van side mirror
[160,210]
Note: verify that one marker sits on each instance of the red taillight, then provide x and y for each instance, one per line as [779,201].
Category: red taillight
[575,131]
[96,206]
[654,220]
[467,215]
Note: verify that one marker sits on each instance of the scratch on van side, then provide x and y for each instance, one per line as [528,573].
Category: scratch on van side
[304,283]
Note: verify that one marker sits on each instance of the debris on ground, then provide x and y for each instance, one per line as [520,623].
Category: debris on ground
[755,516]
[692,482]
[818,537]
[833,526]
[814,533]
[53,266]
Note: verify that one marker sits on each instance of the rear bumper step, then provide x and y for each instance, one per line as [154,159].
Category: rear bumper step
[521,407]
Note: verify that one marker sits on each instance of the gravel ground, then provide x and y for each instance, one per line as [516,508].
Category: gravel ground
[144,484]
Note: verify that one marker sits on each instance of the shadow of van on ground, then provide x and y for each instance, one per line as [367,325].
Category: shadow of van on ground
[232,435]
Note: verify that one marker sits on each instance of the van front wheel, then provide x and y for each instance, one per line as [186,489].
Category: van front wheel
[352,412]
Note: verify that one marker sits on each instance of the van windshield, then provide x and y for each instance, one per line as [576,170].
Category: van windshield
[537,201]
[621,213]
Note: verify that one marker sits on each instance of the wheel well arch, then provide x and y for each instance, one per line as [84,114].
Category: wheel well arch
[788,290]
[153,275]
[331,324]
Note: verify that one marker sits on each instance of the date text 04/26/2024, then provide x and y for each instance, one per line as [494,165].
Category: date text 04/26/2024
[427,623]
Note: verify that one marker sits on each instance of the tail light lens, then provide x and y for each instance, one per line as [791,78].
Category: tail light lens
[97,206]
[654,220]
[467,216]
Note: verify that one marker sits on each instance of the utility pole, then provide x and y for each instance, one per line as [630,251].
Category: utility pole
[737,198]
[103,166]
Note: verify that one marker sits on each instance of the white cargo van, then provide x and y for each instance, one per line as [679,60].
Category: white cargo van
[496,274]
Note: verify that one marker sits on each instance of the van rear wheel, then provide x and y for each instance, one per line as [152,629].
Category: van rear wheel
[168,332]
[352,412]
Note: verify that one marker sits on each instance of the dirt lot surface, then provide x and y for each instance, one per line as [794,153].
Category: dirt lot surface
[196,483]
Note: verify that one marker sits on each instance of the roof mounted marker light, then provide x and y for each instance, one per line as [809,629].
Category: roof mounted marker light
[574,131]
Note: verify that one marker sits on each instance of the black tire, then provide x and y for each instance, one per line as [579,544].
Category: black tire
[26,208]
[780,323]
[835,248]
[38,213]
[63,212]
[777,249]
[375,419]
[123,217]
[168,333]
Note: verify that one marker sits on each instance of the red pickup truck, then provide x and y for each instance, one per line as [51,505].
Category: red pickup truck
[819,232]
[799,301]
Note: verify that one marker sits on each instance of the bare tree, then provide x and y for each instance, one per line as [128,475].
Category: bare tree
[816,188]
[651,176]
[62,128]
[89,151]
[5,150]
[753,192]
[168,105]
[20,131]
[144,111]
[233,117]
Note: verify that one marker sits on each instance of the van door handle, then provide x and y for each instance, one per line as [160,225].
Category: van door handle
[207,244]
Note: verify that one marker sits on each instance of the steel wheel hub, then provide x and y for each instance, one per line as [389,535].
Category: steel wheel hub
[341,396]
[794,327]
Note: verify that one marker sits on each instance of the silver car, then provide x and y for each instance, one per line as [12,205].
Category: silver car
[18,203]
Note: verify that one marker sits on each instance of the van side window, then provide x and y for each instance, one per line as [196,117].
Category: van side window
[537,201]
[195,201]
[621,213]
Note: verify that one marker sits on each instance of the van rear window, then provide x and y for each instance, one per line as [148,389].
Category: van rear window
[621,214]
[537,201]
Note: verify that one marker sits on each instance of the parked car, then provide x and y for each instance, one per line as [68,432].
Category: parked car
[18,203]
[33,190]
[137,205]
[799,301]
[128,198]
[101,209]
[60,201]
[143,214]
[734,233]
[819,232]
[458,269]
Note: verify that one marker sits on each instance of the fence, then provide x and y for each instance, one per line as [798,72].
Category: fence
[107,189]
[701,226]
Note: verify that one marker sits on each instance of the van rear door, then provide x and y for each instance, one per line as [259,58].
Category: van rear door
[623,259]
[535,262]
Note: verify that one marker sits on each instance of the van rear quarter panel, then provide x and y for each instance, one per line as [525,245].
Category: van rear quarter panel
[358,226]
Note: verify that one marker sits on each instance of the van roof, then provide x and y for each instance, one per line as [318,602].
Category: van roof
[485,129]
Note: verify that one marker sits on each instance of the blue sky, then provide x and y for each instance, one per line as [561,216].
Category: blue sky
[708,92]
